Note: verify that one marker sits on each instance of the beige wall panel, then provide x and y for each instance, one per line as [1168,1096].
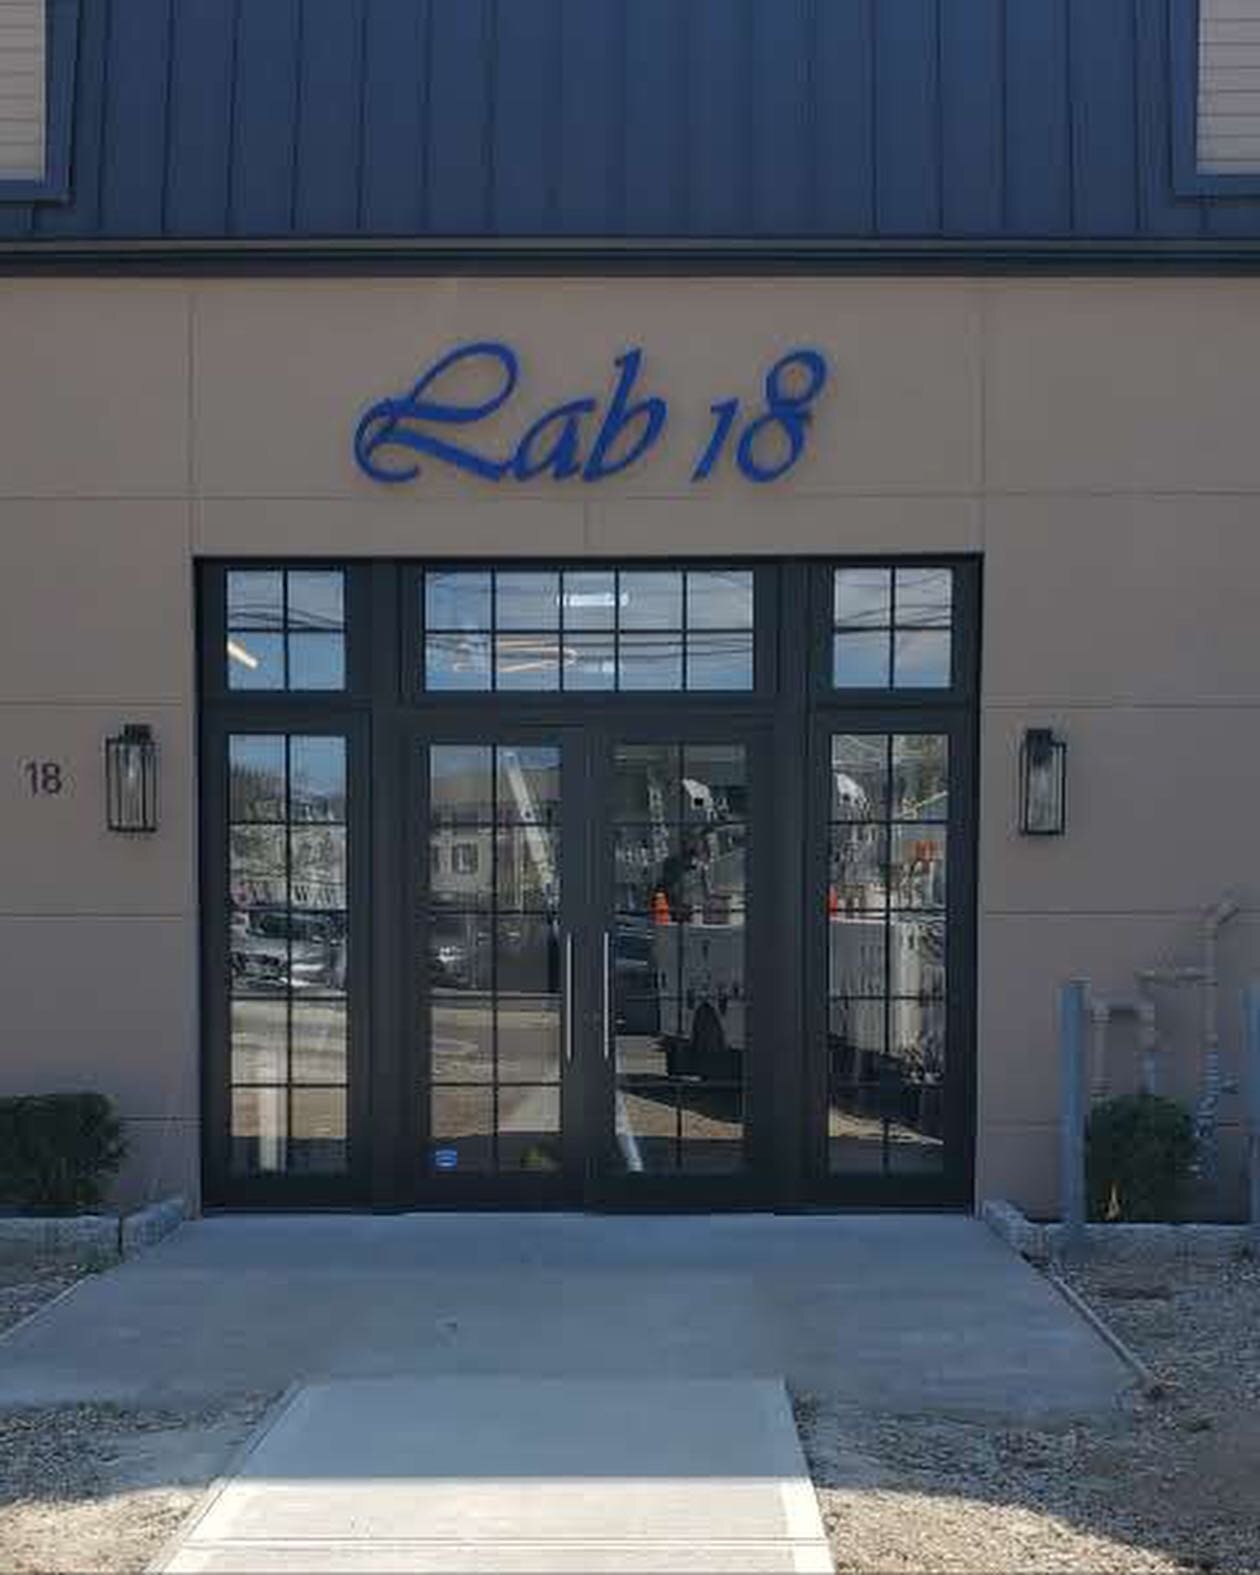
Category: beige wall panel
[768,523]
[56,856]
[94,398]
[284,369]
[1160,811]
[1020,1164]
[95,602]
[163,1159]
[1025,958]
[102,1003]
[1125,384]
[390,523]
[1102,599]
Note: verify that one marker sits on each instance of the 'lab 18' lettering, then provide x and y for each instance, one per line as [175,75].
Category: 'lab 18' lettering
[580,437]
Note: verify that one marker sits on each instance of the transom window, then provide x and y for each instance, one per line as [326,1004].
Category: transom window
[587,629]
[893,628]
[286,629]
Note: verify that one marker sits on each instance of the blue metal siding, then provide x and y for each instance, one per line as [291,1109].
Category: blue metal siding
[824,120]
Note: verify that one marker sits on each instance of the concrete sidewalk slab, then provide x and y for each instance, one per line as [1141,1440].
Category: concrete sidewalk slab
[470,1474]
[894,1312]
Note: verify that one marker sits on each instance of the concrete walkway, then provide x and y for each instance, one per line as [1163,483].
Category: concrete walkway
[510,1474]
[911,1313]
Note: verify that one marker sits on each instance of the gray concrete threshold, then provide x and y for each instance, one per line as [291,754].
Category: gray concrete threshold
[517,1474]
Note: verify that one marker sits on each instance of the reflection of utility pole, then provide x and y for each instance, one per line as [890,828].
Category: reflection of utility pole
[660,821]
[535,840]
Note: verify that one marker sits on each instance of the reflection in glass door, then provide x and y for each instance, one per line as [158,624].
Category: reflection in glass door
[678,964]
[886,958]
[496,960]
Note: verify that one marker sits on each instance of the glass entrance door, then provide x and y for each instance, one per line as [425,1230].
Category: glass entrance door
[585,987]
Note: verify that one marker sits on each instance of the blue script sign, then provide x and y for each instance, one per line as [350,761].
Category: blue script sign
[577,438]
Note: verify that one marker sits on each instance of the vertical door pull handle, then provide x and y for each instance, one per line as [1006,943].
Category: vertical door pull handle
[608,996]
[568,995]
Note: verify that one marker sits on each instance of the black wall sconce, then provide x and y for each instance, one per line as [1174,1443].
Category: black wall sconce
[1042,784]
[131,779]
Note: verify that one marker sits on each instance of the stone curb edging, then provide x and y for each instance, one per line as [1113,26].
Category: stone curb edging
[1042,1244]
[90,1236]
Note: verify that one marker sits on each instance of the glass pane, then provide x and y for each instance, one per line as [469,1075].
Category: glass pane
[863,598]
[635,970]
[916,878]
[461,869]
[917,956]
[642,1022]
[856,954]
[918,1039]
[857,869]
[856,1034]
[255,599]
[316,599]
[257,865]
[456,599]
[647,782]
[529,1129]
[922,660]
[526,661]
[260,1036]
[460,952]
[317,1136]
[317,661]
[317,951]
[529,1039]
[257,774]
[859,776]
[461,1037]
[651,599]
[526,599]
[588,661]
[646,1120]
[590,599]
[259,1130]
[648,867]
[527,954]
[318,868]
[861,661]
[319,1042]
[457,661]
[529,783]
[255,661]
[258,948]
[462,1130]
[650,661]
[714,783]
[920,776]
[712,1129]
[461,783]
[319,778]
[720,599]
[719,661]
[528,871]
[924,598]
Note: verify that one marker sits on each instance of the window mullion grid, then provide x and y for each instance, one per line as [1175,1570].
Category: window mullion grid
[288,927]
[888,937]
[494,936]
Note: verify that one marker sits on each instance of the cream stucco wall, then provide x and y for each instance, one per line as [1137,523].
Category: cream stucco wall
[1093,439]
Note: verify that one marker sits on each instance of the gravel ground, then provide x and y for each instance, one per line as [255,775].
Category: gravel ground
[1171,1482]
[26,1286]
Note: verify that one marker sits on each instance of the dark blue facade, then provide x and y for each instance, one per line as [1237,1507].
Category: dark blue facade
[824,122]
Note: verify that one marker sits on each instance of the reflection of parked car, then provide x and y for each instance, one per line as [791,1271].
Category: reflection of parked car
[272,948]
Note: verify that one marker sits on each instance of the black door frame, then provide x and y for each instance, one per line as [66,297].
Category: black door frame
[383,712]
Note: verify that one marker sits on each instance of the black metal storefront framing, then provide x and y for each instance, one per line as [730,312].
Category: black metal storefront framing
[786,721]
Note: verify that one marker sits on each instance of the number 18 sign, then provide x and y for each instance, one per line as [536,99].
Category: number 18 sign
[581,437]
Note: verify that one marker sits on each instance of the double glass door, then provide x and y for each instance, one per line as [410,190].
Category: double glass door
[586,940]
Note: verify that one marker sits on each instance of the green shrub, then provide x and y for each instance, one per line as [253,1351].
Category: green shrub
[58,1150]
[1138,1154]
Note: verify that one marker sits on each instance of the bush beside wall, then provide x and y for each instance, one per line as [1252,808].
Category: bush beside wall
[58,1152]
